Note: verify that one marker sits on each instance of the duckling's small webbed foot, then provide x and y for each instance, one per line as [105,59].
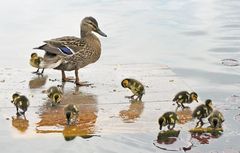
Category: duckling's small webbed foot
[130,97]
[36,72]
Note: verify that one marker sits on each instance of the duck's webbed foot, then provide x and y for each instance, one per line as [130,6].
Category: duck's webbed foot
[86,84]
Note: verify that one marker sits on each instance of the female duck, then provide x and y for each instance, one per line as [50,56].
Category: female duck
[72,53]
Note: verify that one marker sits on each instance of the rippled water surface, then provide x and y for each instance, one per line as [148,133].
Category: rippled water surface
[197,40]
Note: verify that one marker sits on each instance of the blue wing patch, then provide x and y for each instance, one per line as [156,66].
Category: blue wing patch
[65,50]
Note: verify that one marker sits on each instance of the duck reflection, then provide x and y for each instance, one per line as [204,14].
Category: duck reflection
[203,135]
[134,111]
[53,119]
[20,123]
[184,115]
[203,138]
[38,81]
[168,137]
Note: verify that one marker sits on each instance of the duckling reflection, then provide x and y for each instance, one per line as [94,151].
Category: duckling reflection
[203,138]
[53,119]
[134,111]
[20,123]
[184,115]
[38,81]
[167,137]
[73,131]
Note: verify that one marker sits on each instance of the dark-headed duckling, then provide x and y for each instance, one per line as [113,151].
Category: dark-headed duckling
[203,111]
[168,119]
[35,61]
[185,97]
[135,86]
[216,119]
[21,102]
[71,112]
[55,94]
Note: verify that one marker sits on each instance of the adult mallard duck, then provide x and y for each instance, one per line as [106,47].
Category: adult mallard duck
[72,53]
[185,97]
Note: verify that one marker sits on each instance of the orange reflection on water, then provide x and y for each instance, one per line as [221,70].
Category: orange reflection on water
[20,123]
[53,120]
[184,115]
[134,111]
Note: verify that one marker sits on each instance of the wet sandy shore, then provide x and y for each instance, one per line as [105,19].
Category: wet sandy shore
[106,116]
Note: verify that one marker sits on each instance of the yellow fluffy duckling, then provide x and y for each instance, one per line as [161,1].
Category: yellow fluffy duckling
[185,97]
[135,86]
[35,62]
[55,94]
[216,119]
[71,112]
[168,119]
[202,111]
[21,102]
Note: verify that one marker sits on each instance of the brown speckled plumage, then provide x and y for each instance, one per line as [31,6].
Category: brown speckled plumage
[74,52]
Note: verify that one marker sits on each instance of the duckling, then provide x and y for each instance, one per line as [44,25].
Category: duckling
[55,94]
[20,102]
[185,97]
[168,119]
[35,61]
[216,119]
[203,111]
[71,112]
[135,86]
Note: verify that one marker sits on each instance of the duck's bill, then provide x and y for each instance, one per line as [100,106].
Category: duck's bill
[196,100]
[101,33]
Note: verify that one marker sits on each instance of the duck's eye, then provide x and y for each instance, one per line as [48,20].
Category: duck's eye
[92,25]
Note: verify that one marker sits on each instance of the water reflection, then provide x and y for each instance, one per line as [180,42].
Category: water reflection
[203,138]
[184,115]
[20,123]
[38,81]
[170,140]
[167,137]
[134,111]
[52,119]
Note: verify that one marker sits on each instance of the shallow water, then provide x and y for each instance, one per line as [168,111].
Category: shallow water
[191,37]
